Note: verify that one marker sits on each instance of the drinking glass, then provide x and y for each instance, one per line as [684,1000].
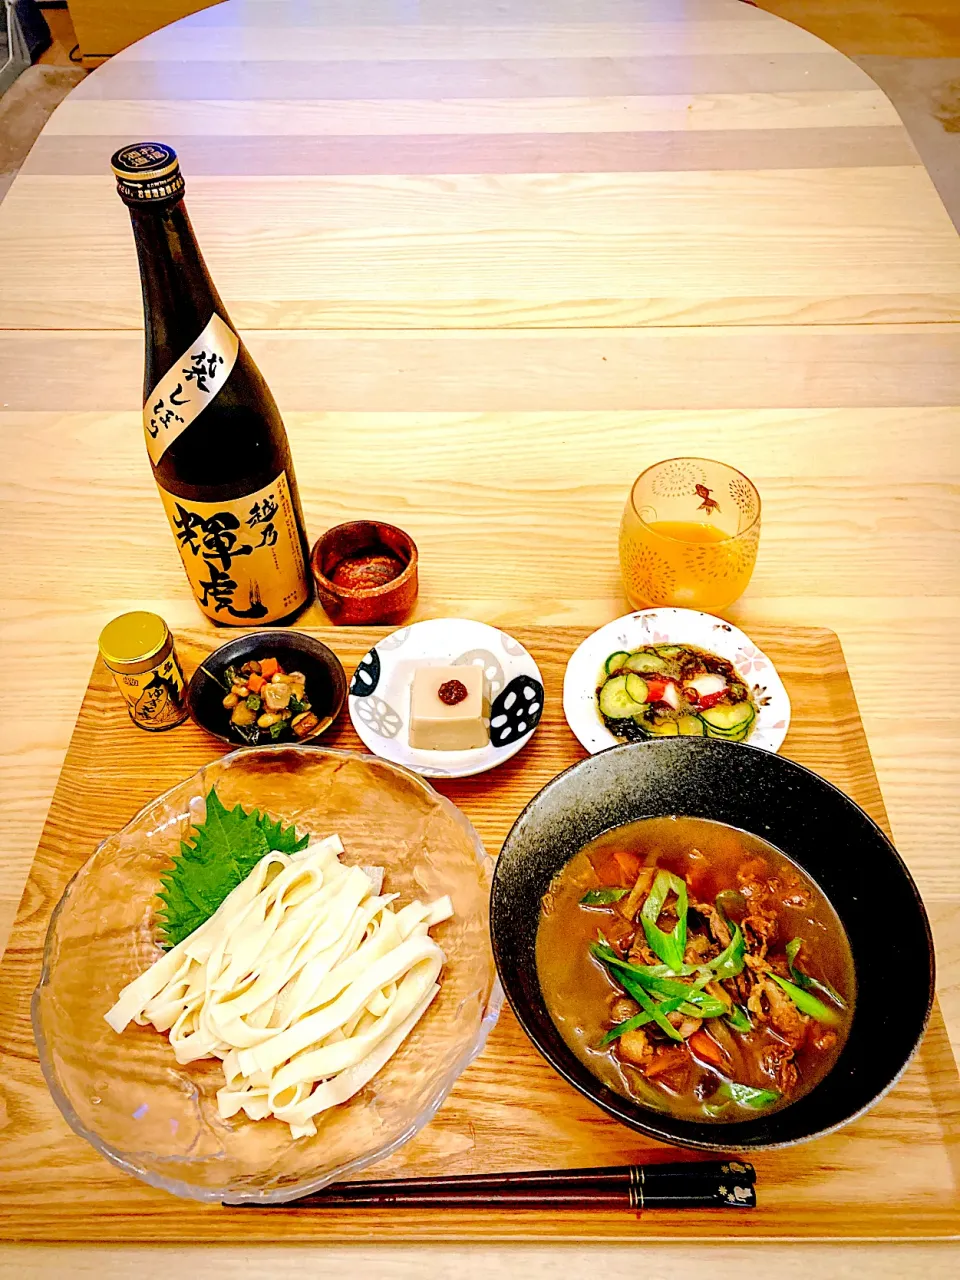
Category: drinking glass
[689,535]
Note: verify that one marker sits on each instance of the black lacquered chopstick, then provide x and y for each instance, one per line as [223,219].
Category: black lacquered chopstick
[610,1178]
[707,1196]
[684,1185]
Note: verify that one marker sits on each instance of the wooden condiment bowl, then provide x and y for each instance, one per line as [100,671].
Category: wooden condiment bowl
[348,564]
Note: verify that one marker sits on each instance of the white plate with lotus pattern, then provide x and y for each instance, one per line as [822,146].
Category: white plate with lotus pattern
[379,699]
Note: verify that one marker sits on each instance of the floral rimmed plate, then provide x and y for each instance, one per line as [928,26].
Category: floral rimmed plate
[672,626]
[379,701]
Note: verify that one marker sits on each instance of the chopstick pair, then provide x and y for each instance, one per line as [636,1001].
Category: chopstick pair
[710,1184]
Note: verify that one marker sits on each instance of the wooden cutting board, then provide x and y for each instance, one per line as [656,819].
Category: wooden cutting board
[895,1173]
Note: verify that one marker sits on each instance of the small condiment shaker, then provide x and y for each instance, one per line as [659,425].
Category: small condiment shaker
[138,648]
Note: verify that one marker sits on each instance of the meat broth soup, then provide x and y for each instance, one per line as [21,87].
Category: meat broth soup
[696,969]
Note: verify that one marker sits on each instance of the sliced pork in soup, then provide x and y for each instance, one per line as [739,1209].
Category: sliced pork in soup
[695,969]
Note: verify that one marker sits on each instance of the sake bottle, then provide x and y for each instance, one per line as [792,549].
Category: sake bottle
[217,445]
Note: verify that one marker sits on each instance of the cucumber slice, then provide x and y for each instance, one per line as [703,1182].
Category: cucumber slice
[665,729]
[669,650]
[739,736]
[616,662]
[645,660]
[636,687]
[615,702]
[691,727]
[729,715]
[730,721]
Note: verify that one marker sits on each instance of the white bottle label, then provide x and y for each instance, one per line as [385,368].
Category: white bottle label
[188,386]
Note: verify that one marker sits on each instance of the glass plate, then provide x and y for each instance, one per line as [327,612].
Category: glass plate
[127,1095]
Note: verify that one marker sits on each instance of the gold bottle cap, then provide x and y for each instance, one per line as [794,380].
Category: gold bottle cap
[147,172]
[134,642]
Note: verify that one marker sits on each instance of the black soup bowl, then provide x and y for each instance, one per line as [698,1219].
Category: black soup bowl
[326,683]
[816,825]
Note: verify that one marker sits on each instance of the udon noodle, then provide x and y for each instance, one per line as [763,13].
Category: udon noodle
[304,983]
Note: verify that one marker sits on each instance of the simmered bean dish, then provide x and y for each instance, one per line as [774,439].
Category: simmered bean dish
[268,704]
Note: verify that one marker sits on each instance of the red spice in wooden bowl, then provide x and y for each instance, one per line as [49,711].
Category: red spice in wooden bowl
[366,572]
[368,569]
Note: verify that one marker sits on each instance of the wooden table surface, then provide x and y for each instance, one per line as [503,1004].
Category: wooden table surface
[494,257]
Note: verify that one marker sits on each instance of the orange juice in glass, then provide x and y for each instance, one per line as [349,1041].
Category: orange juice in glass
[689,535]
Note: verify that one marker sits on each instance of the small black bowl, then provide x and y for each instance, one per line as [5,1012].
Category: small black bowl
[295,651]
[812,822]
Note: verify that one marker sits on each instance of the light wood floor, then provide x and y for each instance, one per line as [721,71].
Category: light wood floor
[911,48]
[888,28]
[63,39]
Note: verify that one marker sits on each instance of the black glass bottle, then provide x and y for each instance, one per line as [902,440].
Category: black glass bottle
[216,441]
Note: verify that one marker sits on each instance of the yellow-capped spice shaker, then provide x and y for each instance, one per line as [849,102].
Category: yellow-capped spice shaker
[138,648]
